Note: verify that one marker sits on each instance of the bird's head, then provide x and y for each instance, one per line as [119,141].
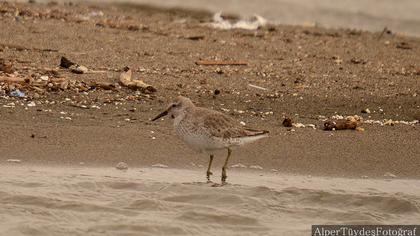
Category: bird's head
[176,108]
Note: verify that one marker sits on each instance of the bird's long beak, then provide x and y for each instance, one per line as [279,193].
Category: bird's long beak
[160,115]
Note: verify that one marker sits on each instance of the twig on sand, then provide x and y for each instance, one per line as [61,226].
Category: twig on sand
[14,80]
[257,87]
[385,30]
[22,48]
[221,63]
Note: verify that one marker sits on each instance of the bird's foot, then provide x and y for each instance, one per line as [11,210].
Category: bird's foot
[208,176]
[224,176]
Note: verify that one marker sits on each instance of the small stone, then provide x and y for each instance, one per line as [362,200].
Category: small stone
[367,111]
[79,69]
[287,122]
[360,129]
[121,166]
[31,104]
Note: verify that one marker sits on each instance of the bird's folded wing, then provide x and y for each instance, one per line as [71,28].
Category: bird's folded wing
[219,125]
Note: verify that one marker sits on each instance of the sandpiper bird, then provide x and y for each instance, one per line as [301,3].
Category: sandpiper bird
[207,130]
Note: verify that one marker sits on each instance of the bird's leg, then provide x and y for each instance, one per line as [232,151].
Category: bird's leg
[208,169]
[224,176]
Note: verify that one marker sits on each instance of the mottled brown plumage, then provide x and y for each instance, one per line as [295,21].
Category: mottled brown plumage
[206,130]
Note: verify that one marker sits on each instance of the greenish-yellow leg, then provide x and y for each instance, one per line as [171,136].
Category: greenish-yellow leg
[224,176]
[208,169]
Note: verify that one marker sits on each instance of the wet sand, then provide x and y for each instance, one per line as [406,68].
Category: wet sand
[309,73]
[67,141]
[104,201]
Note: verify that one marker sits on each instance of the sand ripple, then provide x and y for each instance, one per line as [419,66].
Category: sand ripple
[60,201]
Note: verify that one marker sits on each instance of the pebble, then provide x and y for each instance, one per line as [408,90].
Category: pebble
[121,166]
[31,104]
[360,129]
[80,69]
[367,111]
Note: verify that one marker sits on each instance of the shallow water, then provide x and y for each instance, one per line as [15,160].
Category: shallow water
[152,201]
[373,15]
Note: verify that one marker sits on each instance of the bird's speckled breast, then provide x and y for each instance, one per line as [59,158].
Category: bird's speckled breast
[196,137]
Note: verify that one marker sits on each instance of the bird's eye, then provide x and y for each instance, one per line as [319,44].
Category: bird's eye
[173,105]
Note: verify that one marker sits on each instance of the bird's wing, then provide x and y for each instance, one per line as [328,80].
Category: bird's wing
[219,125]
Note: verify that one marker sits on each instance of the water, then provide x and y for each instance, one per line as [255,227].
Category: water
[400,16]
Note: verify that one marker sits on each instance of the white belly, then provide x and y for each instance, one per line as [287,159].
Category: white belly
[199,141]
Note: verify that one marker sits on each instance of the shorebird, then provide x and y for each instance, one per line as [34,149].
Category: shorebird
[206,130]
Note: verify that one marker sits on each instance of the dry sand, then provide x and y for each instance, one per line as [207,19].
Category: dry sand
[152,201]
[308,72]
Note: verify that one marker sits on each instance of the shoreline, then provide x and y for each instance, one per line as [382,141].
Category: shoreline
[401,19]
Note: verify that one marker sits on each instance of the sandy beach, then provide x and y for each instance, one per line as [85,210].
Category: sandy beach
[60,141]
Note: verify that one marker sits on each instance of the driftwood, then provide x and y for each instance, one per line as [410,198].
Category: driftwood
[221,63]
[341,124]
[16,80]
[103,85]
[127,81]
